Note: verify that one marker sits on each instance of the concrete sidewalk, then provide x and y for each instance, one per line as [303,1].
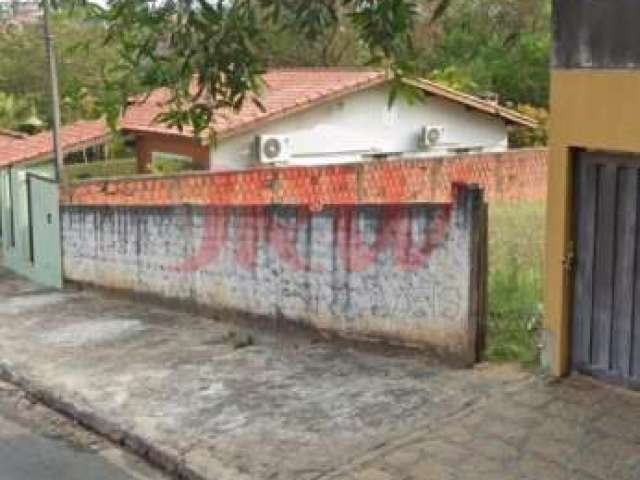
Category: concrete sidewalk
[194,395]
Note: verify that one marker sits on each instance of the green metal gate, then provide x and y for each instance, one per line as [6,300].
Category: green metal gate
[44,221]
[30,218]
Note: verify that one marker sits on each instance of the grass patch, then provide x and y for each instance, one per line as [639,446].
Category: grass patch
[110,168]
[516,257]
[170,165]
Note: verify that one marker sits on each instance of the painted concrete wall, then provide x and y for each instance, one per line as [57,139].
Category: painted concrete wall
[596,34]
[405,273]
[363,121]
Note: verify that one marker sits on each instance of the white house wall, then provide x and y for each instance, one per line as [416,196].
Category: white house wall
[324,134]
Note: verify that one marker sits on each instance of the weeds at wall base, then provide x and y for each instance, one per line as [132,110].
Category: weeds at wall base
[516,266]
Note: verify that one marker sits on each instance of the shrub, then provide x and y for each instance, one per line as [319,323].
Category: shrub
[170,165]
[522,137]
[111,168]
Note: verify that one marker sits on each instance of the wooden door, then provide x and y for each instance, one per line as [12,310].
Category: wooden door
[606,310]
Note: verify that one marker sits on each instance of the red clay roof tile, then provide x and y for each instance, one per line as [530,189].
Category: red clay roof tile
[285,91]
[40,146]
[291,90]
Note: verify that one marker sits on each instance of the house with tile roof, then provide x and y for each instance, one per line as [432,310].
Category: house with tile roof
[318,116]
[29,231]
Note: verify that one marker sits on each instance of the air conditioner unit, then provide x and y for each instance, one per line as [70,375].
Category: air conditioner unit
[431,136]
[273,148]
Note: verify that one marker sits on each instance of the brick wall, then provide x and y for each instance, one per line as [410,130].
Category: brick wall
[146,144]
[513,175]
[403,273]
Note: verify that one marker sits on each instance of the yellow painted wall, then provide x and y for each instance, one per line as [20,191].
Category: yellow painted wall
[592,109]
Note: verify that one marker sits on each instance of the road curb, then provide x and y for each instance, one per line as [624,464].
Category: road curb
[154,455]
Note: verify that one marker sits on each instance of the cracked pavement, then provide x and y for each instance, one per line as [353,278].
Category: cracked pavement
[291,405]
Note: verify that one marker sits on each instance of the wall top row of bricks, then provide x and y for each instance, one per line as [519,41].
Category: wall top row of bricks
[507,176]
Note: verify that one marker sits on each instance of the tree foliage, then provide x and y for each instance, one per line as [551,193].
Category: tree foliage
[12,110]
[527,137]
[335,46]
[83,63]
[210,54]
[499,46]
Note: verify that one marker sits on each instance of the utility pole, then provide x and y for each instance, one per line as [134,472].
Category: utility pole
[55,94]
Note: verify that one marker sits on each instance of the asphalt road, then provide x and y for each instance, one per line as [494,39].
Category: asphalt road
[37,444]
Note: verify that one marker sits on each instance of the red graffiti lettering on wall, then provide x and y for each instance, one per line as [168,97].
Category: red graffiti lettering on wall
[248,231]
[393,232]
[214,237]
[283,239]
[354,250]
[408,255]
